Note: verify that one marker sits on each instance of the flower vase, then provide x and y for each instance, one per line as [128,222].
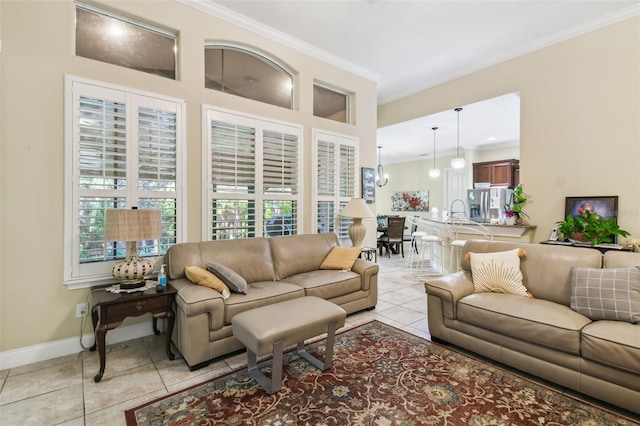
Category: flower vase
[511,220]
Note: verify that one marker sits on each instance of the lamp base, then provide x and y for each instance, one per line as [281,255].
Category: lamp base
[357,231]
[131,271]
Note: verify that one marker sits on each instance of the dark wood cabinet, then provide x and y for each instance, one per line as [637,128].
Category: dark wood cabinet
[498,173]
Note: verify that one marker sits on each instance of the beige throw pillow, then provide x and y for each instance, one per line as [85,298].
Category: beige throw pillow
[497,272]
[205,278]
[341,258]
[606,294]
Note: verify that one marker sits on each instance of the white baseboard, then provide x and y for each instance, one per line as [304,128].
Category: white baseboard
[44,351]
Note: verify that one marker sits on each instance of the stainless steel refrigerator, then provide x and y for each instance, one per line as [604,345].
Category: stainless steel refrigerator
[488,203]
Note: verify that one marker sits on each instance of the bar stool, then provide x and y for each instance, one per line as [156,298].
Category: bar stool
[435,244]
[457,247]
[415,236]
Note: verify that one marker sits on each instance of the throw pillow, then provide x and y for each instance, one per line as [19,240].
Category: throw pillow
[203,277]
[341,258]
[606,294]
[497,272]
[232,279]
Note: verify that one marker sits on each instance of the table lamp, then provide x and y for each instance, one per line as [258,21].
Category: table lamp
[132,226]
[357,209]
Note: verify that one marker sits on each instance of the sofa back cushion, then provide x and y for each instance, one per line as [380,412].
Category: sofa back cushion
[620,259]
[296,254]
[250,258]
[546,269]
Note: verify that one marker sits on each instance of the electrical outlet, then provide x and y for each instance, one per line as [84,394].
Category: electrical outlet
[81,310]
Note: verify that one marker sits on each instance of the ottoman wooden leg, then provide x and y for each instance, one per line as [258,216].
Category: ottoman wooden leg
[328,353]
[271,386]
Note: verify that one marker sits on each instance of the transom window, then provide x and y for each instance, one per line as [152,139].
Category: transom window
[331,103]
[247,74]
[107,37]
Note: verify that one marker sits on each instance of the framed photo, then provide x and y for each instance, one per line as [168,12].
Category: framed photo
[605,207]
[369,185]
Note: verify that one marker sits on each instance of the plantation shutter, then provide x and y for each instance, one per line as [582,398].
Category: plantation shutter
[254,176]
[336,180]
[233,158]
[122,152]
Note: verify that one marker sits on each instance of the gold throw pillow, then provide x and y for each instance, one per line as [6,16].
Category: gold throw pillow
[205,278]
[341,258]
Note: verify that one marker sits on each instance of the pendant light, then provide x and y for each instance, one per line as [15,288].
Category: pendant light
[381,178]
[458,162]
[434,173]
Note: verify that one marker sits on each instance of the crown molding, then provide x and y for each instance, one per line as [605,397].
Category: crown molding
[228,15]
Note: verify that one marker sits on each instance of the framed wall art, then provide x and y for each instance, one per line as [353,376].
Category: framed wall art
[605,207]
[417,201]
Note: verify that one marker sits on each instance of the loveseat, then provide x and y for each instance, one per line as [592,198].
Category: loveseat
[542,335]
[276,269]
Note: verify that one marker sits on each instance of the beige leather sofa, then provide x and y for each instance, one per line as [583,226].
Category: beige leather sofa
[276,269]
[542,335]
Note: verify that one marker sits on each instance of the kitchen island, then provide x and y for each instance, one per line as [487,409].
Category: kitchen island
[454,233]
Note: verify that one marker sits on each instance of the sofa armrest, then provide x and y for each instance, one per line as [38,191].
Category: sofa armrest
[367,270]
[450,288]
[193,299]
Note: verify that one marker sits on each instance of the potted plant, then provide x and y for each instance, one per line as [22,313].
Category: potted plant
[590,227]
[515,207]
[510,215]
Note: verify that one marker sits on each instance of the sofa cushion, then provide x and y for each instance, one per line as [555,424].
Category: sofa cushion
[260,294]
[546,268]
[232,279]
[327,284]
[609,294]
[533,320]
[203,277]
[341,258]
[497,272]
[613,343]
[249,257]
[296,254]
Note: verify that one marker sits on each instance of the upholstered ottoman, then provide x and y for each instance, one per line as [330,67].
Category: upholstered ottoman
[269,329]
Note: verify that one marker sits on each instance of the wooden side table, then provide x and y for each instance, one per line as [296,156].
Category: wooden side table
[110,309]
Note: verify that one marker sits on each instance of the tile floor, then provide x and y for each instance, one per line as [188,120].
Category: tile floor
[61,391]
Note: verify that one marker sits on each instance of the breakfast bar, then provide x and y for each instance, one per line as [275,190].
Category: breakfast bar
[453,233]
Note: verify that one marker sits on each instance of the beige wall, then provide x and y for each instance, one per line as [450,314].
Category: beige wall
[37,51]
[579,119]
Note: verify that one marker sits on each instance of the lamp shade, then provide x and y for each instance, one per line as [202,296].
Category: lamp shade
[132,225]
[357,208]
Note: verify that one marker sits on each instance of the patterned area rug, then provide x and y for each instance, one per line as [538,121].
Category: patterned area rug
[380,376]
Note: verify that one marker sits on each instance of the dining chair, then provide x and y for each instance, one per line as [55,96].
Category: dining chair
[394,237]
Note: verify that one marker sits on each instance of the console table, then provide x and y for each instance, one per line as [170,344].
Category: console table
[110,310]
[602,247]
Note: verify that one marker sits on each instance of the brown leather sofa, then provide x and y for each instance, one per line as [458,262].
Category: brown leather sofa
[276,269]
[542,335]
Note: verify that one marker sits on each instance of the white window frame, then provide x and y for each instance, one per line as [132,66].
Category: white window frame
[77,275]
[260,124]
[340,227]
[348,95]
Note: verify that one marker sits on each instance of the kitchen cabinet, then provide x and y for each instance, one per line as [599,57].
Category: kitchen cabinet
[498,173]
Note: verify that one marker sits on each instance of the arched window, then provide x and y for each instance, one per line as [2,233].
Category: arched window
[248,74]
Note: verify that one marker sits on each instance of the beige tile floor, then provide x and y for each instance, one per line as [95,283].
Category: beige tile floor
[61,391]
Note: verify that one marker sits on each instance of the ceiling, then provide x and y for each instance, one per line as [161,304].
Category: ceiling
[408,46]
